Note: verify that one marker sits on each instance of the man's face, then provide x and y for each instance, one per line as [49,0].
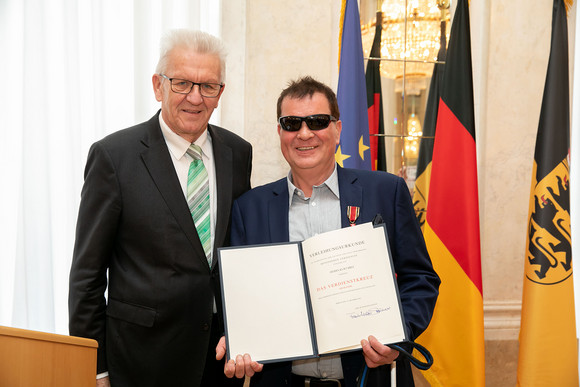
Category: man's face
[309,151]
[187,114]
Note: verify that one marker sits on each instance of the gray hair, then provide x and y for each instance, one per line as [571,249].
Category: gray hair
[197,41]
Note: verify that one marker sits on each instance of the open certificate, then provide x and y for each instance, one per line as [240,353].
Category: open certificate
[305,299]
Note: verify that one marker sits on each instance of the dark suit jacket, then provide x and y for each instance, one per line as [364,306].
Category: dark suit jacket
[134,221]
[261,216]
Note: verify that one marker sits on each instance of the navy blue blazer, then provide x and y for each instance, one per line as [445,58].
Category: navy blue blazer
[261,216]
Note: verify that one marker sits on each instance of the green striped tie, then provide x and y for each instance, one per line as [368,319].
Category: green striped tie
[198,198]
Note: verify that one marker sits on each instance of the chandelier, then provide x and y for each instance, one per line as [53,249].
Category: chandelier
[410,50]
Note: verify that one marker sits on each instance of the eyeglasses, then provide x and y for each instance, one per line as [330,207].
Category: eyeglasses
[314,122]
[183,86]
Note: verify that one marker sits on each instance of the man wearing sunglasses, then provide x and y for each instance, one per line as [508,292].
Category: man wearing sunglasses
[313,199]
[155,207]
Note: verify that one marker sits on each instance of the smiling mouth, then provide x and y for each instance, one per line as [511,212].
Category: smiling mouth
[189,111]
[305,148]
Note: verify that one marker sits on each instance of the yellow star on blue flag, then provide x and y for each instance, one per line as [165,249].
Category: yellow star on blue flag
[340,157]
[362,148]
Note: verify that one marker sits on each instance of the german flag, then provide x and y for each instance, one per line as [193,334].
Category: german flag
[375,101]
[455,335]
[421,189]
[548,354]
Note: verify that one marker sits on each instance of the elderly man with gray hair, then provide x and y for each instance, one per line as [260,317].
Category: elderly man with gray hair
[155,206]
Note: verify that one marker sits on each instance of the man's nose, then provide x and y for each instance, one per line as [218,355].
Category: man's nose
[304,132]
[194,95]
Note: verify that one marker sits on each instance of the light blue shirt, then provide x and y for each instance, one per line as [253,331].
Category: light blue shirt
[308,217]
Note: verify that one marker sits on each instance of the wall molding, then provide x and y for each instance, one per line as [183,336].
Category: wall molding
[501,320]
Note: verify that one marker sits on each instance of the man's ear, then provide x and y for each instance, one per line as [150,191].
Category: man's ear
[338,131]
[157,87]
[220,94]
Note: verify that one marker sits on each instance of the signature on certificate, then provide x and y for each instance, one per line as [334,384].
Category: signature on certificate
[369,312]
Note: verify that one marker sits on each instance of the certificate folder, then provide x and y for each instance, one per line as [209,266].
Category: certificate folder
[317,297]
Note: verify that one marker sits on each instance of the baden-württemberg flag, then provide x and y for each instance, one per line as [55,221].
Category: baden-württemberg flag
[455,335]
[353,151]
[548,351]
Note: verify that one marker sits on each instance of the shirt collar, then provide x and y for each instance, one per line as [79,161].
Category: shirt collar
[178,145]
[331,183]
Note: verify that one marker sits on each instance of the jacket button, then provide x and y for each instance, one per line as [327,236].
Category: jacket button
[205,327]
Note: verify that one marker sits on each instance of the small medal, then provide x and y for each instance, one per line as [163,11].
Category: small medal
[352,213]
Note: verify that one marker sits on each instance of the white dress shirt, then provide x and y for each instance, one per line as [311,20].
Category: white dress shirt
[181,160]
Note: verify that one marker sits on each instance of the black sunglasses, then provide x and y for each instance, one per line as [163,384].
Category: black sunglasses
[314,122]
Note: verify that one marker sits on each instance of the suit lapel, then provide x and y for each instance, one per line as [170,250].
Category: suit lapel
[158,162]
[223,161]
[351,193]
[278,213]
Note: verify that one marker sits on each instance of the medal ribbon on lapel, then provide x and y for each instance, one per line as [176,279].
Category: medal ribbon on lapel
[352,213]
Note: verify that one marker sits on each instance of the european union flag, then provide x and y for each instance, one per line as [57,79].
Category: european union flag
[353,150]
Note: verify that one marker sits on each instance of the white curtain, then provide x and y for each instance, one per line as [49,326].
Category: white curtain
[71,72]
